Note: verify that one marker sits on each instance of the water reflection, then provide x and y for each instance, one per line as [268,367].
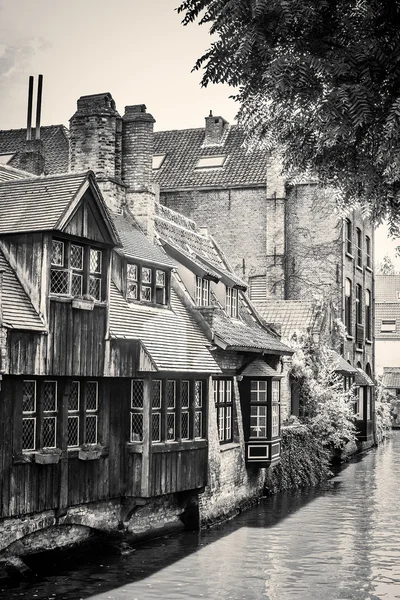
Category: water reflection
[337,542]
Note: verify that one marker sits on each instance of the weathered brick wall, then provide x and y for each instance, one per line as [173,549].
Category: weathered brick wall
[231,484]
[137,147]
[313,243]
[236,218]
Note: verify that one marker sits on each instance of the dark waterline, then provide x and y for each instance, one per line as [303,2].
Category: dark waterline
[337,542]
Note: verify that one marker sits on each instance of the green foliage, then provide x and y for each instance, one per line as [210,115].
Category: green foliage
[384,402]
[304,461]
[317,82]
[386,267]
[327,409]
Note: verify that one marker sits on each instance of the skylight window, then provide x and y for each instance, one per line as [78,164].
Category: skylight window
[5,158]
[210,162]
[158,160]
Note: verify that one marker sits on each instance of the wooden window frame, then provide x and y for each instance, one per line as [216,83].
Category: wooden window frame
[187,405]
[359,247]
[231,301]
[368,315]
[202,295]
[368,251]
[83,414]
[154,284]
[349,237]
[223,400]
[86,273]
[39,416]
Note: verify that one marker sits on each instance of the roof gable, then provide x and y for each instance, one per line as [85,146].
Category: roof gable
[48,203]
[89,222]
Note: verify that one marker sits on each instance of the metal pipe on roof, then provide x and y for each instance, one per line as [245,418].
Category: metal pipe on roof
[39,107]
[29,116]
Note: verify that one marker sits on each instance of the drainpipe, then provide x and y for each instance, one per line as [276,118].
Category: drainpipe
[2,333]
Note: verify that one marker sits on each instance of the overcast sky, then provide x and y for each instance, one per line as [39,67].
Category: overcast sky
[136,50]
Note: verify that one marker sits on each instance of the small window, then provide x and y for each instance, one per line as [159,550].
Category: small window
[368,251]
[222,389]
[359,247]
[202,291]
[348,305]
[5,158]
[137,398]
[388,326]
[210,162]
[39,415]
[368,317]
[276,408]
[156,398]
[348,241]
[158,160]
[359,304]
[231,301]
[83,413]
[258,409]
[147,284]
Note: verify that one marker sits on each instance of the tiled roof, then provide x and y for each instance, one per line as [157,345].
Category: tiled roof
[391,377]
[292,315]
[136,245]
[386,311]
[183,148]
[387,288]
[185,235]
[362,378]
[17,309]
[37,203]
[340,365]
[8,173]
[259,368]
[55,144]
[236,335]
[172,337]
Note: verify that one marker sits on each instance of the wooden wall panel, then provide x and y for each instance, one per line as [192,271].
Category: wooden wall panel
[176,471]
[77,340]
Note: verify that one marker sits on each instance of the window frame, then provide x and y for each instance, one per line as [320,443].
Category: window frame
[359,247]
[232,301]
[368,315]
[153,283]
[83,414]
[348,300]
[223,395]
[359,306]
[349,237]
[39,416]
[84,271]
[368,261]
[202,291]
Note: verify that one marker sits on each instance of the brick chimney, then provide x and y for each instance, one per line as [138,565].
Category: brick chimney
[215,130]
[95,143]
[32,157]
[137,172]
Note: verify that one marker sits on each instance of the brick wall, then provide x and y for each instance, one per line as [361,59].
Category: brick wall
[235,217]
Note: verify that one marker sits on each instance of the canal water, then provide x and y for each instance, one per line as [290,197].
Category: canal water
[337,542]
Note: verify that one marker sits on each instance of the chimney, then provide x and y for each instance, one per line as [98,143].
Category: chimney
[32,158]
[95,143]
[215,130]
[137,172]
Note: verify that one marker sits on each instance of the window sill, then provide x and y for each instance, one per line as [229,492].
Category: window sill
[43,457]
[72,299]
[349,255]
[350,338]
[368,341]
[229,446]
[86,453]
[157,447]
[134,447]
[359,268]
[368,269]
[359,349]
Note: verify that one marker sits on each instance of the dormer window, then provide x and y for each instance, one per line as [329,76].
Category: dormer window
[202,291]
[147,284]
[210,162]
[158,160]
[76,270]
[231,301]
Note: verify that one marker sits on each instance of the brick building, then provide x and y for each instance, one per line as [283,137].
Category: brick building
[285,239]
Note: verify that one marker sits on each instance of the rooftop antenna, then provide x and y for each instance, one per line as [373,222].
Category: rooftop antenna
[38,107]
[29,117]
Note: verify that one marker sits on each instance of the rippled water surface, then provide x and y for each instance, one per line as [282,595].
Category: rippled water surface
[336,543]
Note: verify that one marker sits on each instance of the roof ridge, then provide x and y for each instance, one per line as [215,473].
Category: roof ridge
[24,128]
[232,126]
[47,177]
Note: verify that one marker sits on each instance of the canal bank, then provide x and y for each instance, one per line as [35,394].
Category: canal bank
[334,541]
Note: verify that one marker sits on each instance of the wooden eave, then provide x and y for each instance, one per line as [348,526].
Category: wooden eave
[218,341]
[225,277]
[192,263]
